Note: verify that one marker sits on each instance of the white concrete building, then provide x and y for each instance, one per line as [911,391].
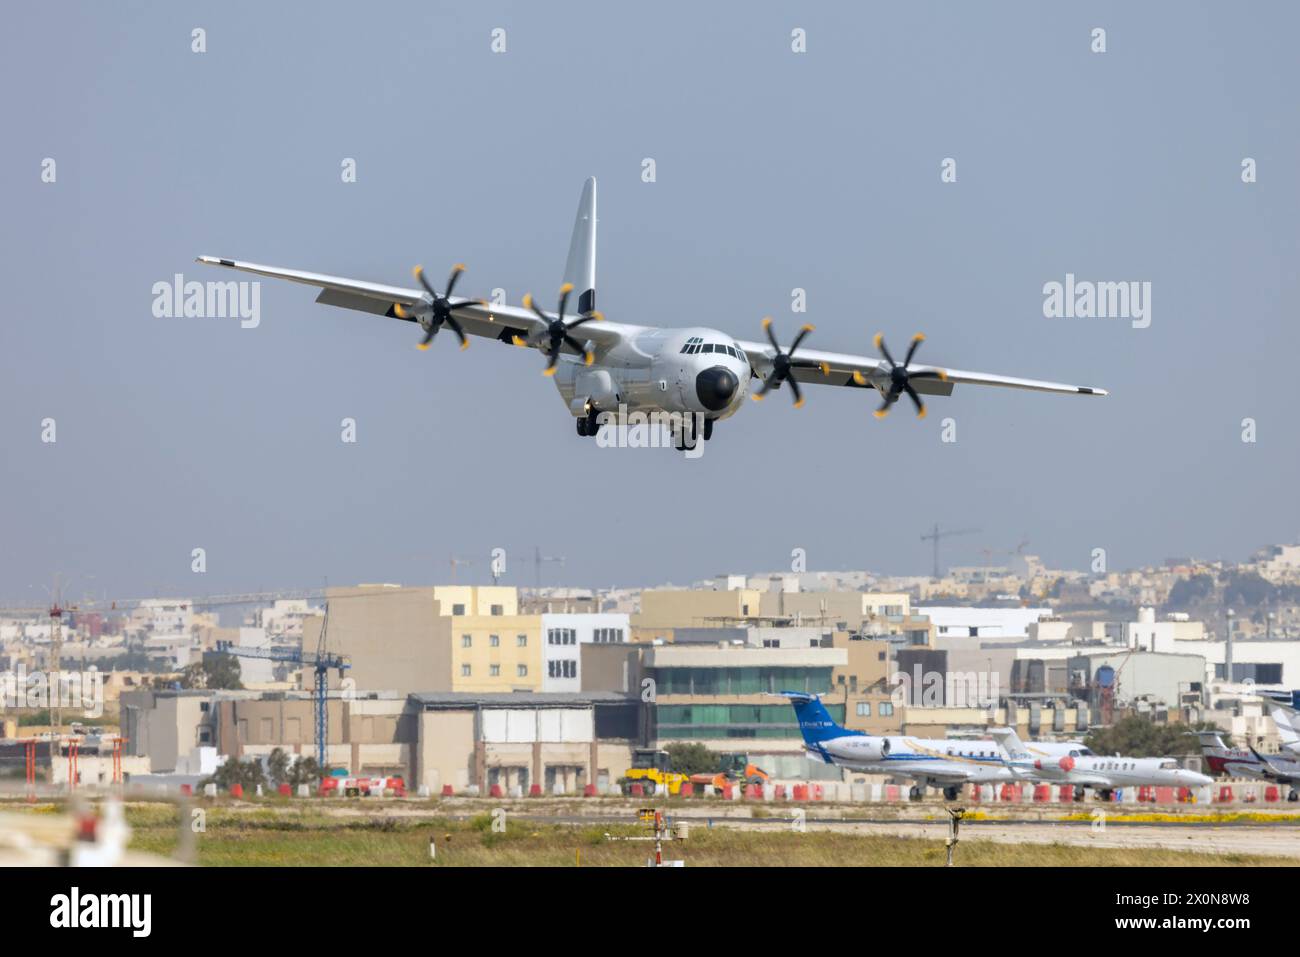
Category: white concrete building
[1007,624]
[284,618]
[164,616]
[561,637]
[255,671]
[1168,635]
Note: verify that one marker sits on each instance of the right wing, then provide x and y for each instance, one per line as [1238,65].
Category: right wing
[504,323]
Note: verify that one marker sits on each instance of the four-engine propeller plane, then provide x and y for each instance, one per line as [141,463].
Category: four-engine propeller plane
[692,374]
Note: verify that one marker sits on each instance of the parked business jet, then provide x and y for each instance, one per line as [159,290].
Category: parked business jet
[928,762]
[1104,774]
[1282,768]
[694,374]
[1230,762]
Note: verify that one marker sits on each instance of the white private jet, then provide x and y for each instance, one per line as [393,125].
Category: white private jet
[604,370]
[946,763]
[1104,774]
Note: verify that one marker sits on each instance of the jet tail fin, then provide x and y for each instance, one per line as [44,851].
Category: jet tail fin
[580,270]
[1210,740]
[1285,719]
[815,722]
[1009,741]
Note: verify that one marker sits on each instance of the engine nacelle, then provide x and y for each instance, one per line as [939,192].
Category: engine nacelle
[875,749]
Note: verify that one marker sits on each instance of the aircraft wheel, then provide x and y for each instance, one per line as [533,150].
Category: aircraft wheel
[1293,795]
[1079,794]
[708,429]
[582,426]
[914,794]
[1106,794]
[593,423]
[950,793]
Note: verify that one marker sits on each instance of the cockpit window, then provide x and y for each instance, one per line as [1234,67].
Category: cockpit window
[696,345]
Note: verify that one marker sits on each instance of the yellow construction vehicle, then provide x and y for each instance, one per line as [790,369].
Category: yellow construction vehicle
[651,766]
[733,768]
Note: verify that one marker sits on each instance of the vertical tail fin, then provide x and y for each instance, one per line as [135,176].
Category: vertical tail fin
[581,267]
[1210,741]
[1010,742]
[815,722]
[1286,720]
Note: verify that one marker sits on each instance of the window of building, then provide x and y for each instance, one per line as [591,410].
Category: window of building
[864,709]
[464,671]
[458,609]
[886,709]
[494,641]
[569,668]
[466,641]
[494,671]
[498,610]
[521,671]
[204,706]
[521,641]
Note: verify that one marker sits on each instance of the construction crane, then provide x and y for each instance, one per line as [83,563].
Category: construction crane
[456,562]
[936,535]
[539,560]
[321,661]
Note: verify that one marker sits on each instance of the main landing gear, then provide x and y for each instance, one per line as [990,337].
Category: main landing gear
[951,792]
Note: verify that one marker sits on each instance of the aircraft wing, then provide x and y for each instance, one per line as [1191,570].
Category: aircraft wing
[815,367]
[504,323]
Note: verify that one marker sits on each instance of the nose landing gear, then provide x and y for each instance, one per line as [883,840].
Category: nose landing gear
[588,425]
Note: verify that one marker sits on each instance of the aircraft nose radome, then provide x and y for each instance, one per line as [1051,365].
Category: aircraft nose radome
[716,387]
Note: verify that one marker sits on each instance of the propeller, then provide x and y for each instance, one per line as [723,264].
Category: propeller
[782,369]
[557,331]
[900,377]
[432,311]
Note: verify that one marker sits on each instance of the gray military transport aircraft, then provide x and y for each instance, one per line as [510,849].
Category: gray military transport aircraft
[693,376]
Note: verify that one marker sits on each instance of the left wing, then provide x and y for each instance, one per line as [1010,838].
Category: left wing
[815,367]
[478,318]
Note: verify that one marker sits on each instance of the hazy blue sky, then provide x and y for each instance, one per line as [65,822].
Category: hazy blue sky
[775,170]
